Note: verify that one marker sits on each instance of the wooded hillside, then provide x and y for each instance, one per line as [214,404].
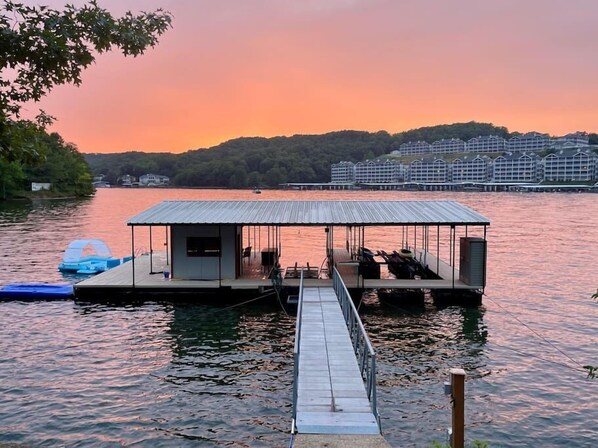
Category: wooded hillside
[258,161]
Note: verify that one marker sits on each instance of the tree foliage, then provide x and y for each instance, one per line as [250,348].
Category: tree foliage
[64,167]
[41,48]
[464,131]
[21,141]
[12,178]
[44,47]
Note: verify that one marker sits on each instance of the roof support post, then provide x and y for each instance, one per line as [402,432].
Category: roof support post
[151,251]
[415,239]
[437,249]
[133,254]
[453,239]
[166,244]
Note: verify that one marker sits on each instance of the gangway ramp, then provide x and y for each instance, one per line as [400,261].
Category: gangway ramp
[330,396]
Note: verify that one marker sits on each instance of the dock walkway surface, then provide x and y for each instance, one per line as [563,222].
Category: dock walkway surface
[331,396]
[150,277]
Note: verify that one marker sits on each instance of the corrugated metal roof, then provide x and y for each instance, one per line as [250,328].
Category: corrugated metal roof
[306,213]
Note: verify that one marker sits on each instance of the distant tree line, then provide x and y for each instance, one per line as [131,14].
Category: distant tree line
[257,161]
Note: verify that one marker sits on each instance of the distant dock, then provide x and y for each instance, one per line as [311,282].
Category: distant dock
[468,186]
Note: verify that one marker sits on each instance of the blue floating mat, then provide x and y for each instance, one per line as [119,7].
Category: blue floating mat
[37,291]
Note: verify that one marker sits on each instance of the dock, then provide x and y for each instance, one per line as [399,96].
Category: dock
[149,279]
[221,248]
[334,387]
[331,396]
[234,247]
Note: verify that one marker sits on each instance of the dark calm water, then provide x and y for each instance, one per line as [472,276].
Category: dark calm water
[173,375]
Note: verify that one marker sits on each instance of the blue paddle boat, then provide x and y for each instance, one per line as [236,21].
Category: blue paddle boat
[37,291]
[88,257]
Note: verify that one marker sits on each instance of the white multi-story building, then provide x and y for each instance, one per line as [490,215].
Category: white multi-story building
[153,180]
[573,140]
[378,171]
[429,170]
[342,172]
[470,169]
[448,145]
[569,165]
[487,143]
[517,167]
[415,148]
[532,141]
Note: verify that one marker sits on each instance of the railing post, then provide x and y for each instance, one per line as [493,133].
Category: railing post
[458,399]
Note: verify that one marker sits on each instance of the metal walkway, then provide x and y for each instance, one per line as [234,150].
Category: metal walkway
[331,352]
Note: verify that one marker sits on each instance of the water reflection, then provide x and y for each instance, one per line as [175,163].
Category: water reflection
[474,329]
[12,212]
[171,375]
[238,361]
[34,236]
[418,345]
[19,211]
[165,375]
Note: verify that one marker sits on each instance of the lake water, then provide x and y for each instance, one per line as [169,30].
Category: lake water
[178,375]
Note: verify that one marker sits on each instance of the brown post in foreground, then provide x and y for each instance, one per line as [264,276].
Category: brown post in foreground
[458,395]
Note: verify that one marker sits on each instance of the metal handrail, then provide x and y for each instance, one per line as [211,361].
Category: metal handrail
[296,352]
[364,351]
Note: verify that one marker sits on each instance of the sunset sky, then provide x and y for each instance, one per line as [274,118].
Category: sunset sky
[233,68]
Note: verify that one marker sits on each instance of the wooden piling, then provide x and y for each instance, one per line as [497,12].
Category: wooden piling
[458,396]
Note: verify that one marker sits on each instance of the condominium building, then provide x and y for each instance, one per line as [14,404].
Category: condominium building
[517,167]
[487,143]
[448,145]
[573,140]
[470,169]
[415,148]
[378,171]
[428,170]
[342,172]
[532,141]
[569,165]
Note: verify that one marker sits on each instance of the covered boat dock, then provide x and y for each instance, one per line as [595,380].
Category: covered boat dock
[219,246]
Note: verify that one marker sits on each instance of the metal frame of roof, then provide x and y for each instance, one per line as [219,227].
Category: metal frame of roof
[309,213]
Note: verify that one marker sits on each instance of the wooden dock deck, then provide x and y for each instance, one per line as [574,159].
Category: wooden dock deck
[120,279]
[349,270]
[331,397]
[122,276]
[255,278]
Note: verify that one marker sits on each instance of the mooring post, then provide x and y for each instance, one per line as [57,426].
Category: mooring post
[458,399]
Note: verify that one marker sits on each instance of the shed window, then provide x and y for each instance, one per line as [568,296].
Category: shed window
[203,246]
